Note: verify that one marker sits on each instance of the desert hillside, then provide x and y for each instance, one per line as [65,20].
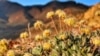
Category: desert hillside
[14,17]
[54,29]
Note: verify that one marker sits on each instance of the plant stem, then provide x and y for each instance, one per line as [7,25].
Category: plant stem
[41,29]
[55,26]
[29,30]
[60,27]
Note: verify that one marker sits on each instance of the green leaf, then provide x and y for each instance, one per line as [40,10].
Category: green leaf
[65,53]
[36,51]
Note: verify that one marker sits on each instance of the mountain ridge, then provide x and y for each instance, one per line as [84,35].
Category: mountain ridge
[15,15]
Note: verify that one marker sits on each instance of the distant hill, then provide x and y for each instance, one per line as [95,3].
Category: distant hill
[14,17]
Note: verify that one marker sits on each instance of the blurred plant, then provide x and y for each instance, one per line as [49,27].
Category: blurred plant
[38,37]
[47,46]
[97,13]
[70,21]
[24,35]
[3,46]
[95,41]
[11,53]
[50,15]
[85,30]
[47,33]
[27,54]
[62,36]
[39,25]
[61,15]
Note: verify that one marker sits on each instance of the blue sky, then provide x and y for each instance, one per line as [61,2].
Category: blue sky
[36,2]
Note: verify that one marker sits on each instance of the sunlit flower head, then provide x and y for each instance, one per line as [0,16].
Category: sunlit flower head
[10,53]
[27,54]
[97,13]
[47,33]
[3,49]
[70,21]
[85,30]
[3,41]
[38,24]
[38,37]
[62,36]
[96,41]
[24,35]
[47,46]
[60,13]
[50,14]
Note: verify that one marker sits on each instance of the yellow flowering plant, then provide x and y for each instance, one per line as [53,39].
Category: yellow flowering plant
[47,33]
[10,53]
[27,54]
[95,41]
[3,49]
[47,46]
[62,36]
[38,37]
[50,15]
[61,15]
[85,30]
[24,35]
[38,25]
[70,21]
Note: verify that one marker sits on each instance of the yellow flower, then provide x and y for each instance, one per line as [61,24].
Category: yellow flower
[38,24]
[89,54]
[27,54]
[62,36]
[3,49]
[38,37]
[24,35]
[10,53]
[3,41]
[47,33]
[60,13]
[69,21]
[85,30]
[96,41]
[97,13]
[50,14]
[47,46]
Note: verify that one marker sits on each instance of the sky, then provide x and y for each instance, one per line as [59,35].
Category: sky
[43,2]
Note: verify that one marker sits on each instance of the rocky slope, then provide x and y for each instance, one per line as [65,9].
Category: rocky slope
[14,17]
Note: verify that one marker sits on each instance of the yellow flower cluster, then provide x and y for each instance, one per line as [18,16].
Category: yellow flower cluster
[38,24]
[96,41]
[97,13]
[27,54]
[60,13]
[47,33]
[10,53]
[24,35]
[3,41]
[62,36]
[47,46]
[3,46]
[85,30]
[38,37]
[69,21]
[50,14]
